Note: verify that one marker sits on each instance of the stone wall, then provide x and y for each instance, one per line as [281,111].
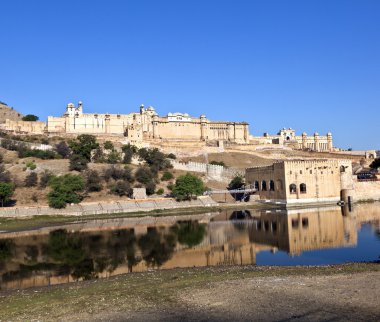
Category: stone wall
[215,172]
[366,190]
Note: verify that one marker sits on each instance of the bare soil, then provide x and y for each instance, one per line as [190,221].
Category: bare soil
[327,293]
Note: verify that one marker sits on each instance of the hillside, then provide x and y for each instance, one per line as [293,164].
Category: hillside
[7,112]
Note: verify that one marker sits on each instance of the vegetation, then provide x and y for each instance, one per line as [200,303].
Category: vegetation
[190,233]
[93,181]
[117,173]
[84,145]
[78,162]
[24,152]
[171,156]
[121,188]
[160,191]
[30,118]
[31,165]
[44,179]
[6,192]
[167,176]
[375,163]
[31,180]
[144,175]
[63,149]
[236,183]
[128,152]
[188,186]
[221,163]
[5,176]
[108,145]
[65,189]
[155,159]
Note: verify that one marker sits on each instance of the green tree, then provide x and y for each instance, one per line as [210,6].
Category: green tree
[83,145]
[188,186]
[128,152]
[65,189]
[30,118]
[375,163]
[78,162]
[236,183]
[6,192]
[144,175]
[108,145]
[113,157]
[167,176]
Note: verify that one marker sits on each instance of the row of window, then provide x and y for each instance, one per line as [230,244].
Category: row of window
[272,186]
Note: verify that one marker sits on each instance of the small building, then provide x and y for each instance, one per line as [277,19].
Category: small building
[302,181]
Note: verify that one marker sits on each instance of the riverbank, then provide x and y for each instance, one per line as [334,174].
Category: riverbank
[341,292]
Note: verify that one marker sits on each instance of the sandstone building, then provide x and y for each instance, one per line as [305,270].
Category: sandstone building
[302,181]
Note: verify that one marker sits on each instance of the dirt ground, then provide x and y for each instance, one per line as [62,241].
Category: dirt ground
[333,293]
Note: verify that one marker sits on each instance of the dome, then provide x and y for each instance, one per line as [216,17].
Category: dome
[316,134]
[150,108]
[329,134]
[304,134]
[203,116]
[70,105]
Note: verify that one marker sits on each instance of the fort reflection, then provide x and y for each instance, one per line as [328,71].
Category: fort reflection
[104,248]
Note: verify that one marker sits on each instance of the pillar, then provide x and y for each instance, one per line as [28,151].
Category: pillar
[329,142]
[155,127]
[107,124]
[304,141]
[203,127]
[316,141]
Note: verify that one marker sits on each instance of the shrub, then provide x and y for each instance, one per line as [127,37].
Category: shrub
[62,149]
[65,189]
[31,180]
[31,165]
[78,162]
[171,156]
[128,152]
[121,188]
[117,173]
[5,176]
[160,191]
[108,145]
[150,188]
[236,183]
[35,197]
[167,176]
[1,158]
[221,163]
[24,152]
[155,159]
[113,157]
[93,181]
[44,178]
[6,192]
[188,186]
[98,156]
[9,145]
[144,175]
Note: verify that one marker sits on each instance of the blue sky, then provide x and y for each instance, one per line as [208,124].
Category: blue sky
[309,65]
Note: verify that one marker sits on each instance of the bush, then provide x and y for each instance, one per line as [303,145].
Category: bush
[188,186]
[221,163]
[24,152]
[30,118]
[65,189]
[44,179]
[10,145]
[31,165]
[144,175]
[1,158]
[93,181]
[160,191]
[236,183]
[171,156]
[167,176]
[155,159]
[6,192]
[128,152]
[5,176]
[78,162]
[150,188]
[113,157]
[108,145]
[31,180]
[121,188]
[117,173]
[62,149]
[98,156]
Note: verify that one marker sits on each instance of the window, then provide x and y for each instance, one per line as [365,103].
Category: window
[293,188]
[279,185]
[264,185]
[342,168]
[256,185]
[311,171]
[295,223]
[271,185]
[303,188]
[305,222]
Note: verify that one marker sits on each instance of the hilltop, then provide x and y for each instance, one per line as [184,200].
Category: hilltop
[8,112]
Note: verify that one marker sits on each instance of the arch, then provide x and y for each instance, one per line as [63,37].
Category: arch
[256,185]
[303,188]
[292,188]
[279,185]
[342,168]
[271,185]
[264,185]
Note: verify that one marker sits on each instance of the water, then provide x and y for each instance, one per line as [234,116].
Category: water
[103,248]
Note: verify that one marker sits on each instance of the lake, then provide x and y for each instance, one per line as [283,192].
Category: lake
[86,250]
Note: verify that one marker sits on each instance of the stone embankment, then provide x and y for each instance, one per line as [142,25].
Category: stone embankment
[122,206]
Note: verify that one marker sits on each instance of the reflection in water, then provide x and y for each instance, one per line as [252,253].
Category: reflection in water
[104,248]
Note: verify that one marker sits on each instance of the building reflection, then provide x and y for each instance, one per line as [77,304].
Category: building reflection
[103,248]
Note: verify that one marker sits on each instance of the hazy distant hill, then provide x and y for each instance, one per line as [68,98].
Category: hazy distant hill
[7,112]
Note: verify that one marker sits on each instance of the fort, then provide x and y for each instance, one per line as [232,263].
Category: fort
[146,126]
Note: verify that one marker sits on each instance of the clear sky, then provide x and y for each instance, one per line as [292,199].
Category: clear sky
[310,65]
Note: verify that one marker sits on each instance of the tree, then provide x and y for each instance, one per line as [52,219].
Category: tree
[236,183]
[5,176]
[6,192]
[375,163]
[156,160]
[62,149]
[121,188]
[171,156]
[31,180]
[78,162]
[188,186]
[44,178]
[113,157]
[116,173]
[93,181]
[108,145]
[30,118]
[83,145]
[150,188]
[128,152]
[144,175]
[65,189]
[167,176]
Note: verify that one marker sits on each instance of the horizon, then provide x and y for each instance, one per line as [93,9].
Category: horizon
[310,66]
